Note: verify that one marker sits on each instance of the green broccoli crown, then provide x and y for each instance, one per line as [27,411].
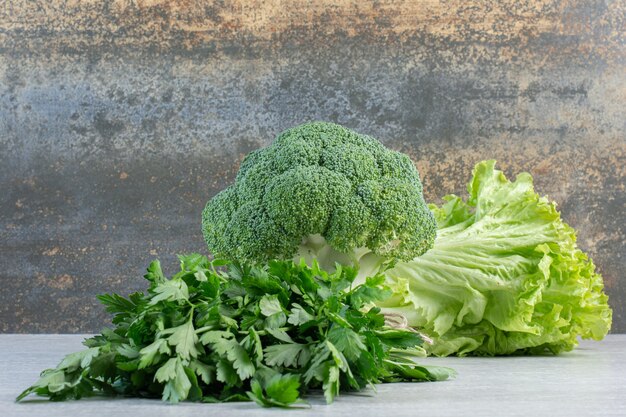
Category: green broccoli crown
[320,179]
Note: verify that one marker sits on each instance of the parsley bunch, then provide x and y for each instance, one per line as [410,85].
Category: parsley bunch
[220,331]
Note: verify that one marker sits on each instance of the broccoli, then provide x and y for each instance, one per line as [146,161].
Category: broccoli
[321,191]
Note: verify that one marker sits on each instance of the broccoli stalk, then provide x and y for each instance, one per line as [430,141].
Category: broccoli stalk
[315,247]
[322,191]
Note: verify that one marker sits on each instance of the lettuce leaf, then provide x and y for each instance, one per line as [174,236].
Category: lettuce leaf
[505,275]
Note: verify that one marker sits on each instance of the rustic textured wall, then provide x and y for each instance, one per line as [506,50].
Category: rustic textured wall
[119,119]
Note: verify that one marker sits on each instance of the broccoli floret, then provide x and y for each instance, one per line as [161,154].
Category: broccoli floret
[321,190]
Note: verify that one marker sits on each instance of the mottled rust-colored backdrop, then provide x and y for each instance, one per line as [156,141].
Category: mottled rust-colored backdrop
[119,119]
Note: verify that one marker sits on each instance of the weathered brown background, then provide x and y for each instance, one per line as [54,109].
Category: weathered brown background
[119,119]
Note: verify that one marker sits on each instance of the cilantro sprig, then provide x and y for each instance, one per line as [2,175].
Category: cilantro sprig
[220,331]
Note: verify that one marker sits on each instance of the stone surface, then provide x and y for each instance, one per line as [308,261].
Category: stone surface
[118,120]
[589,381]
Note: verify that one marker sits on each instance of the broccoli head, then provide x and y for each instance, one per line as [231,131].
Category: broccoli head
[320,188]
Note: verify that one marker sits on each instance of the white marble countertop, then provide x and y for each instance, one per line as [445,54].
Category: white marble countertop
[590,381]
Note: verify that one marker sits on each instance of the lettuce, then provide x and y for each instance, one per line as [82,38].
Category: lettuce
[505,275]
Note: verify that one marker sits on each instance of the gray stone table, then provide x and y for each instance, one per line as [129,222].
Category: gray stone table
[590,381]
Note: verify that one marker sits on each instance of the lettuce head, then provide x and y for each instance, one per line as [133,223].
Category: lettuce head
[505,275]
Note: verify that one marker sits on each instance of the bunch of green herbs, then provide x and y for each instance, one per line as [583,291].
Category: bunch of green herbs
[220,331]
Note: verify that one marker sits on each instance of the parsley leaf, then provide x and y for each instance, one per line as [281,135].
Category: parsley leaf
[173,290]
[184,338]
[347,341]
[283,389]
[177,382]
[270,305]
[151,353]
[288,355]
[299,315]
